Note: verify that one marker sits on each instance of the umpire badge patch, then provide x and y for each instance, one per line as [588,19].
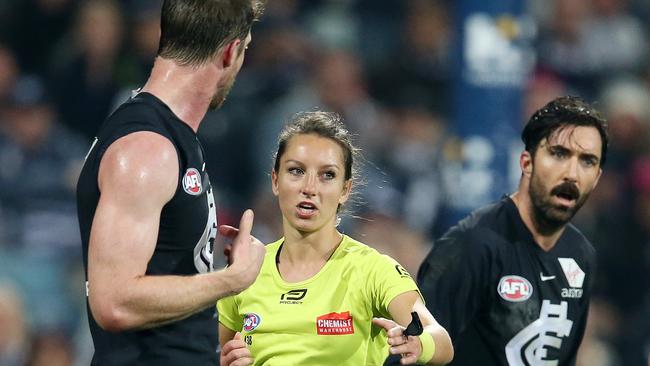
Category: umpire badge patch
[251,321]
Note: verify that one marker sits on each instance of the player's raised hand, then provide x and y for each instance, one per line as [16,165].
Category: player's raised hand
[235,353]
[409,347]
[245,254]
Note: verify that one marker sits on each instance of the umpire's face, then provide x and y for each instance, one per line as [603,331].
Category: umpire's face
[310,184]
[563,171]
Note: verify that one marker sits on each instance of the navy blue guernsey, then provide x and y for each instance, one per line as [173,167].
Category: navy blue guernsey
[504,300]
[184,244]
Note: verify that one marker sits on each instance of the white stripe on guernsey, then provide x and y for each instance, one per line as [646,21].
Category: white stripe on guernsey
[91,148]
[574,274]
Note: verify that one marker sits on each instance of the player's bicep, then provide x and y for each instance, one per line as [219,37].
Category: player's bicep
[137,176]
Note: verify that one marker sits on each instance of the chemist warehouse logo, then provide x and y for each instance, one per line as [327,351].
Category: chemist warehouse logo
[335,324]
[514,288]
[192,182]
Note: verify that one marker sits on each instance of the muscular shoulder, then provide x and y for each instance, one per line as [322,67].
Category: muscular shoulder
[142,162]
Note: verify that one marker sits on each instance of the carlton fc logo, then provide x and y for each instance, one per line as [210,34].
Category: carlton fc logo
[514,288]
[192,182]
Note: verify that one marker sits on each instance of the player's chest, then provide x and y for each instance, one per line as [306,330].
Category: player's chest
[520,277]
[536,305]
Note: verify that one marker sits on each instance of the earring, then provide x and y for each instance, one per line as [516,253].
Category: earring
[338,221]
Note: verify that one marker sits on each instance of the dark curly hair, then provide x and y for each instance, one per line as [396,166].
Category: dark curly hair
[560,113]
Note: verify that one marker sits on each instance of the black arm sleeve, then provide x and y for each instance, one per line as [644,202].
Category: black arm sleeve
[454,278]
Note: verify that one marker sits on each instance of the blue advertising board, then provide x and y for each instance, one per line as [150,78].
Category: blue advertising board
[494,57]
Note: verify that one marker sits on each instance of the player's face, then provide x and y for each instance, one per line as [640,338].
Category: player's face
[565,169]
[310,183]
[228,81]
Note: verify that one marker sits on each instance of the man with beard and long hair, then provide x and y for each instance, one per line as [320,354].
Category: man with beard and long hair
[511,282]
[146,209]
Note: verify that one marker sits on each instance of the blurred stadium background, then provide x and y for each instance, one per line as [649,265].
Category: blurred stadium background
[436,92]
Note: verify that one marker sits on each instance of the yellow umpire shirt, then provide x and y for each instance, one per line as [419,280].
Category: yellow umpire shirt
[325,320]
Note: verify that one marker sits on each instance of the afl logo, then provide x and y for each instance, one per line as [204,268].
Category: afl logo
[192,182]
[251,321]
[514,288]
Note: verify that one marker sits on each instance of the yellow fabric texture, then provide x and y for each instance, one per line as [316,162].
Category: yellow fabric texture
[325,320]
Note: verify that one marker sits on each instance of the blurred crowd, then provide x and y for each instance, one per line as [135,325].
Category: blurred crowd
[384,65]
